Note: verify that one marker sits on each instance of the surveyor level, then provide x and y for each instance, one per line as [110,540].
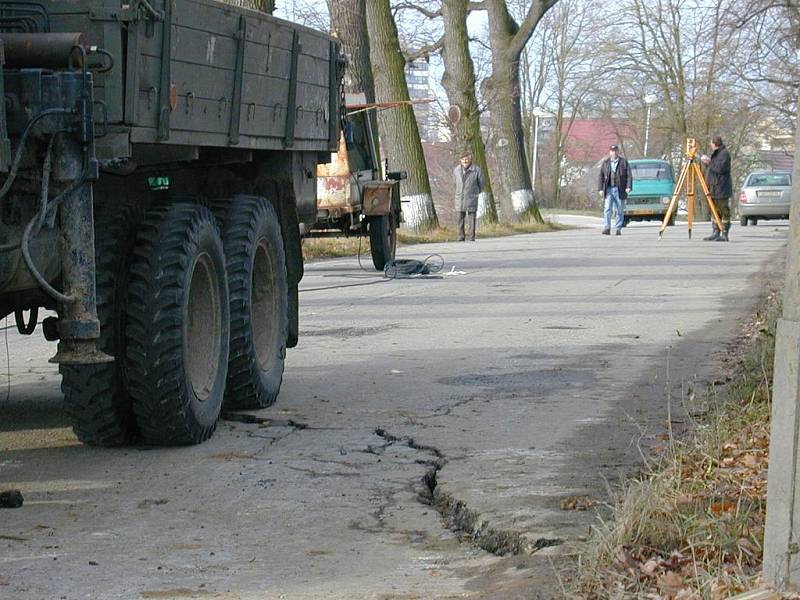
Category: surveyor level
[686,182]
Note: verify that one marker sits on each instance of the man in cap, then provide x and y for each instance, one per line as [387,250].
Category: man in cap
[613,185]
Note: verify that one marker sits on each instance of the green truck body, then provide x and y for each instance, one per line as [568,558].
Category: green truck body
[158,149]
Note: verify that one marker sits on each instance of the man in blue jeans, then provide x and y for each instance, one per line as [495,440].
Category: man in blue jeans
[614,183]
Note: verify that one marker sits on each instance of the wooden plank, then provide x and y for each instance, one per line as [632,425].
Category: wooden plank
[145,135]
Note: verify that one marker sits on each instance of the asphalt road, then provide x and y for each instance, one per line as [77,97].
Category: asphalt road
[534,372]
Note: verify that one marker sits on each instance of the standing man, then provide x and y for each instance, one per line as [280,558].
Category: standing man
[469,184]
[614,183]
[718,178]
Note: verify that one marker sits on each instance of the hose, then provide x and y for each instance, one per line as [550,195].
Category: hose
[26,254]
[407,268]
[12,174]
[46,168]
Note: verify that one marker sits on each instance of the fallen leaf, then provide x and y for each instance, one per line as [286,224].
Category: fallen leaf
[670,581]
[577,503]
[650,567]
[750,460]
[722,507]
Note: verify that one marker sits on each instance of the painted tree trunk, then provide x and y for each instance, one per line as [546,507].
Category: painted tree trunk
[458,81]
[502,89]
[400,133]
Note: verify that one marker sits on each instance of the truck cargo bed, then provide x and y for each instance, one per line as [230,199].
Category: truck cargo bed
[205,73]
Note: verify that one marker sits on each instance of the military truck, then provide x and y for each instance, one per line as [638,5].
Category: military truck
[356,194]
[157,158]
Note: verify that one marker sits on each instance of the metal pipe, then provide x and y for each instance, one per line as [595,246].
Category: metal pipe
[78,327]
[43,50]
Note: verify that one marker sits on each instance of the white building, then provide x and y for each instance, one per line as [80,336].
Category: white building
[419,88]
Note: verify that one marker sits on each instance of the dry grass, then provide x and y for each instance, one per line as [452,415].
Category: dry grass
[349,246]
[692,526]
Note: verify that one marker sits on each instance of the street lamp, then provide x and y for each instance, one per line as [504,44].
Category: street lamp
[648,100]
[538,112]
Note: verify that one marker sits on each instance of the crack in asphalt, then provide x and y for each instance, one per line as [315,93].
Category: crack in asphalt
[455,513]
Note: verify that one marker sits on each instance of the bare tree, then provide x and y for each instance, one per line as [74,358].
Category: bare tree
[766,69]
[458,81]
[577,71]
[401,138]
[507,39]
[349,24]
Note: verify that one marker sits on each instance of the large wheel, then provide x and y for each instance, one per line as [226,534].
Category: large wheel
[259,302]
[382,239]
[743,221]
[178,325]
[753,221]
[95,396]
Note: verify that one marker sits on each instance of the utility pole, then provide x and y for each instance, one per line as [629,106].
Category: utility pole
[782,532]
[649,99]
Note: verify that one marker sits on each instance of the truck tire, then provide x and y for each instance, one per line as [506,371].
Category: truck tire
[259,295]
[178,325]
[382,239]
[95,396]
[743,221]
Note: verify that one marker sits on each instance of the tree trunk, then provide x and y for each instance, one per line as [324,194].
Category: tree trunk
[458,81]
[400,134]
[349,24]
[507,40]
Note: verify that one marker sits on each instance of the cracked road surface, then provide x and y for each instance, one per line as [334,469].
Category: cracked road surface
[426,432]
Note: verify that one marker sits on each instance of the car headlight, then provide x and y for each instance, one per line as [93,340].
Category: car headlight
[665,200]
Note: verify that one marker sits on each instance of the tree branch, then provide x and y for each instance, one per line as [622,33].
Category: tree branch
[425,51]
[431,14]
[535,13]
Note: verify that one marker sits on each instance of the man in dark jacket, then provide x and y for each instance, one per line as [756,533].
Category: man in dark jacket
[718,178]
[614,183]
[468,181]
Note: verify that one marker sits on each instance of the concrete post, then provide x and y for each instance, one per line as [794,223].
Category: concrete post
[782,534]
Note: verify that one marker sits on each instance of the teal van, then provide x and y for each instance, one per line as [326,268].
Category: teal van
[653,185]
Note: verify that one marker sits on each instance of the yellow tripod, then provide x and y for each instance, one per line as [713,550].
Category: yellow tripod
[690,172]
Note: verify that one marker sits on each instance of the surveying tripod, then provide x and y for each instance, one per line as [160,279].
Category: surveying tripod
[690,172]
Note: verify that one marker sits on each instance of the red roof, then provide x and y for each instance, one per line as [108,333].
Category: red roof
[587,141]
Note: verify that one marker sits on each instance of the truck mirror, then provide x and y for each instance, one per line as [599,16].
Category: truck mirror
[396,175]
